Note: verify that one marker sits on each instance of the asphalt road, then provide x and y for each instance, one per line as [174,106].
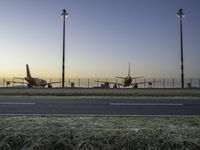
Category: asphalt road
[99,106]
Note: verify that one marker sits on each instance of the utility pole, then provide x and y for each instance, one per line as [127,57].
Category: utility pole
[64,14]
[180,15]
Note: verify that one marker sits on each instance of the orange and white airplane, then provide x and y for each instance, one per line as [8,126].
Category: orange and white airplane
[34,82]
[126,81]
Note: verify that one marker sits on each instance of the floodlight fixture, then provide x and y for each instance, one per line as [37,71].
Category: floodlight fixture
[64,13]
[180,13]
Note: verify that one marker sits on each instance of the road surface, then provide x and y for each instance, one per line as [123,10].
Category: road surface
[99,106]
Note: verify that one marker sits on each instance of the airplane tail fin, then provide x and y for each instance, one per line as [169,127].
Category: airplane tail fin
[129,69]
[28,71]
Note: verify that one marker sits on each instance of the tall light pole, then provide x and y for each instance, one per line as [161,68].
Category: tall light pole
[180,15]
[64,14]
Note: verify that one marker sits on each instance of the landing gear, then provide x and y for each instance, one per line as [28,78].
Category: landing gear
[30,86]
[135,86]
[115,86]
[49,85]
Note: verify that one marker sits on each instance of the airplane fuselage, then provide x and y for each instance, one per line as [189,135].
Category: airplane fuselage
[36,82]
[127,81]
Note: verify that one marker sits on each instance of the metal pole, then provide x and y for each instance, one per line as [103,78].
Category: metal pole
[88,83]
[63,60]
[199,83]
[163,83]
[154,83]
[69,82]
[182,66]
[79,82]
[64,14]
[180,14]
[4,82]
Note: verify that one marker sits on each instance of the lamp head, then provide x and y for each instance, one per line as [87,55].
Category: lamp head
[64,13]
[180,13]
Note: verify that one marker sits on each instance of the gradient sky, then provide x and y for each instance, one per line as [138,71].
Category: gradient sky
[102,36]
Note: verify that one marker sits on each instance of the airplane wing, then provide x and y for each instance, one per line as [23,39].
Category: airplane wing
[132,78]
[20,82]
[18,78]
[108,82]
[49,84]
[139,83]
[120,77]
[148,82]
[135,85]
[137,77]
[9,82]
[54,82]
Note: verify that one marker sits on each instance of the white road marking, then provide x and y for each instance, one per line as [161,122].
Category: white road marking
[14,103]
[146,104]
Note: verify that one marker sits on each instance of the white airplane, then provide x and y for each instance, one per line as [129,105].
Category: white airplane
[34,82]
[126,81]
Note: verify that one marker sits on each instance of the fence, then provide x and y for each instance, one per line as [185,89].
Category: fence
[96,82]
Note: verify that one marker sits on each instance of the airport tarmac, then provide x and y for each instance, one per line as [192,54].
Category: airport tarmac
[98,106]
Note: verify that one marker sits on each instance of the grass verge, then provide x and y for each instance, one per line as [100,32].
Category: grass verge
[50,133]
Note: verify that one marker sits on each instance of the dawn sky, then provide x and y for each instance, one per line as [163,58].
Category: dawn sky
[102,36]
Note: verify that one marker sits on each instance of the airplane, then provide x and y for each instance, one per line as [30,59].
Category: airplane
[34,82]
[126,81]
